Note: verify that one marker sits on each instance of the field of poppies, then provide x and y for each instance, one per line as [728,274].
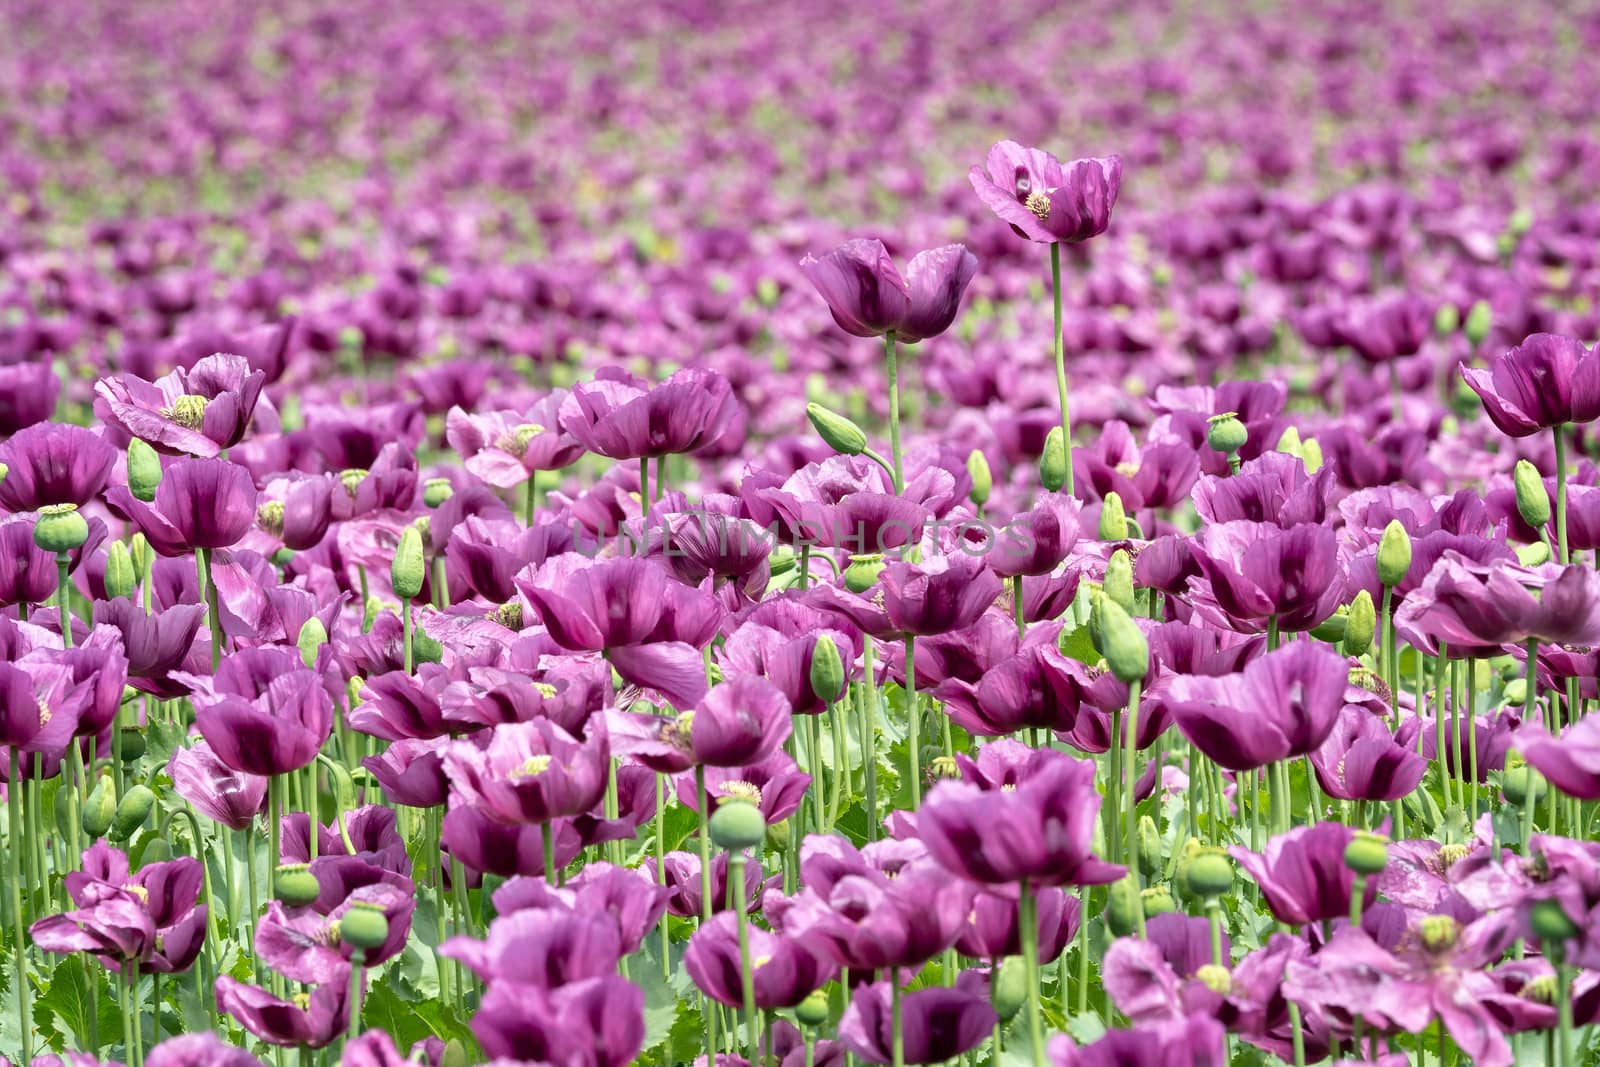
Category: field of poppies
[816,534]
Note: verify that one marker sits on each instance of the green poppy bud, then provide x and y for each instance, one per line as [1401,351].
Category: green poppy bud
[1394,553]
[370,612]
[454,1054]
[100,808]
[60,528]
[1210,874]
[827,670]
[1534,554]
[814,1010]
[139,551]
[1010,987]
[841,435]
[1226,433]
[1361,623]
[1149,847]
[1367,853]
[1523,786]
[313,635]
[131,812]
[1053,462]
[66,809]
[1122,643]
[407,570]
[1290,442]
[1447,320]
[1157,900]
[155,850]
[737,825]
[1550,923]
[144,470]
[1118,584]
[364,926]
[1123,908]
[1515,692]
[1533,502]
[778,834]
[120,578]
[1113,519]
[133,744]
[862,573]
[1479,320]
[296,886]
[982,477]
[1520,221]
[436,491]
[1332,628]
[1311,455]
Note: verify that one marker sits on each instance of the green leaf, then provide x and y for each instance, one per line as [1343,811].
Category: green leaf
[75,992]
[409,1021]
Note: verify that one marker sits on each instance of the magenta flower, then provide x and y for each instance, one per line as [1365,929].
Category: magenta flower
[530,772]
[939,594]
[201,503]
[937,1024]
[504,448]
[156,644]
[151,920]
[411,772]
[1045,200]
[742,720]
[785,970]
[312,1020]
[264,712]
[52,463]
[1547,381]
[598,1022]
[1362,760]
[1256,571]
[776,785]
[1283,704]
[1036,541]
[198,411]
[620,416]
[217,791]
[1198,1041]
[994,929]
[1571,761]
[869,297]
[1303,875]
[682,880]
[545,948]
[1476,609]
[28,394]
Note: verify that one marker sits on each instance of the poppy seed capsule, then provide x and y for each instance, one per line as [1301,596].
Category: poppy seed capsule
[982,477]
[364,926]
[827,670]
[436,491]
[1533,555]
[1361,624]
[144,470]
[1157,900]
[1113,519]
[813,1011]
[132,745]
[1053,461]
[132,811]
[1122,643]
[1010,987]
[1367,853]
[407,570]
[295,885]
[1533,501]
[60,528]
[1226,433]
[862,573]
[1394,554]
[737,825]
[120,579]
[1122,907]
[156,850]
[1209,874]
[1523,785]
[1550,923]
[837,431]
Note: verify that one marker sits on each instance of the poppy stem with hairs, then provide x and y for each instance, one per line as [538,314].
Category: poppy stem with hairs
[1131,829]
[1560,434]
[64,596]
[547,845]
[869,736]
[354,1000]
[1061,360]
[897,1045]
[892,363]
[14,871]
[644,489]
[1028,920]
[208,596]
[405,613]
[913,723]
[747,977]
[661,869]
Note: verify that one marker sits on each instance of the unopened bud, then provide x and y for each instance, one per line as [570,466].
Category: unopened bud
[407,570]
[1122,643]
[1118,584]
[840,433]
[1394,554]
[1113,519]
[1361,624]
[1053,462]
[982,477]
[144,470]
[120,578]
[827,670]
[1533,501]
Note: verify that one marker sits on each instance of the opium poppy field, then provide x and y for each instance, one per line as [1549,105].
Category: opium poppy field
[799,535]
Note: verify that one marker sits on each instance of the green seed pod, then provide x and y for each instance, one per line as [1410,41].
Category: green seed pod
[1361,624]
[100,808]
[1534,554]
[1053,462]
[1157,900]
[313,635]
[1226,433]
[144,470]
[408,570]
[1367,853]
[60,528]
[1447,320]
[1118,584]
[1210,874]
[737,825]
[1333,627]
[1550,923]
[778,834]
[1478,322]
[1149,847]
[1394,553]
[66,809]
[295,885]
[1010,987]
[364,926]
[862,573]
[1122,643]
[1523,786]
[827,670]
[1113,519]
[840,434]
[982,477]
[436,491]
[812,1011]
[1515,692]
[1123,908]
[1533,502]
[120,577]
[133,744]
[132,811]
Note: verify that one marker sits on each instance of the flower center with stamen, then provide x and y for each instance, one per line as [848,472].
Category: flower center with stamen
[1439,933]
[680,730]
[188,411]
[509,615]
[1215,978]
[515,441]
[1541,990]
[1450,854]
[270,516]
[533,767]
[1039,204]
[742,791]
[139,891]
[545,689]
[44,711]
[302,1001]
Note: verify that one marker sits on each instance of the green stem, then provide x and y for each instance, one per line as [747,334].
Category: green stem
[1563,1010]
[869,737]
[64,596]
[547,845]
[661,869]
[1214,916]
[1357,892]
[841,770]
[208,596]
[644,489]
[405,614]
[1559,433]
[19,945]
[354,1029]
[1027,919]
[897,1052]
[892,365]
[1061,361]
[702,803]
[747,976]
[1016,604]
[1131,829]
[818,802]
[913,723]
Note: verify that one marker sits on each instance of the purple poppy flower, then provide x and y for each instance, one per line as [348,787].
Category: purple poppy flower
[529,772]
[742,720]
[39,707]
[869,297]
[52,463]
[504,448]
[598,1022]
[1045,200]
[1272,488]
[156,644]
[1476,609]
[1038,687]
[411,772]
[28,395]
[1571,762]
[785,970]
[939,594]
[1255,571]
[1035,542]
[994,930]
[264,712]
[312,1021]
[1050,818]
[937,1024]
[296,510]
[487,845]
[222,794]
[1283,704]
[542,947]
[776,785]
[151,920]
[1362,760]
[682,881]
[620,416]
[628,896]
[1385,329]
[200,503]
[198,411]
[778,640]
[303,944]
[1303,875]
[1547,381]
[399,706]
[1198,1041]
[199,1050]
